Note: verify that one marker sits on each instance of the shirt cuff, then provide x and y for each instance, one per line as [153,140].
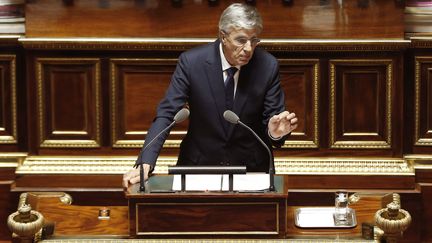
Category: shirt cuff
[273,138]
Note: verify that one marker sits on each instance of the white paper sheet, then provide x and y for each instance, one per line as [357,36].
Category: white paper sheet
[198,183]
[247,182]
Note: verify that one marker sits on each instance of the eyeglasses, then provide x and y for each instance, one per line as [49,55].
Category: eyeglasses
[242,41]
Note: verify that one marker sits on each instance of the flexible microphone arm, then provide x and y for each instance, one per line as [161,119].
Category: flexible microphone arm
[180,116]
[234,119]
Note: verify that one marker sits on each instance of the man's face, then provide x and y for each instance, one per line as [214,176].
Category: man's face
[238,45]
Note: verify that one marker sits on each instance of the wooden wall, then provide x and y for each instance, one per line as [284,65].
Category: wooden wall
[79,92]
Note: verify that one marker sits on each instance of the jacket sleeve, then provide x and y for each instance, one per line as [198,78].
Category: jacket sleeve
[175,98]
[274,102]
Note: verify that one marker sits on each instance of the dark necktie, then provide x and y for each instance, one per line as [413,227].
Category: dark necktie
[229,88]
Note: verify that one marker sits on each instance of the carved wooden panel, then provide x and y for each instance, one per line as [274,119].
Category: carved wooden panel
[68,99]
[423,101]
[300,82]
[360,104]
[137,87]
[8,102]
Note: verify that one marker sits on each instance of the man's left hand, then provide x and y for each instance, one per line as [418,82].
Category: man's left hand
[282,124]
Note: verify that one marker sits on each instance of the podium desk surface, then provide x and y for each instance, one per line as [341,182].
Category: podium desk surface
[160,186]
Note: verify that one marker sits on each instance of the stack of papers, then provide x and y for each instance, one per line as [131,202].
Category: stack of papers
[247,182]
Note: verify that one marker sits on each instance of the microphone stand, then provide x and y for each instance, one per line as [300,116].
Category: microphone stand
[141,167]
[271,165]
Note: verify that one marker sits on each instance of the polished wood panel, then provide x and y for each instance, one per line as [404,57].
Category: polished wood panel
[300,82]
[301,19]
[7,205]
[350,182]
[426,190]
[361,103]
[67,182]
[212,213]
[69,102]
[208,217]
[75,220]
[423,101]
[137,86]
[8,101]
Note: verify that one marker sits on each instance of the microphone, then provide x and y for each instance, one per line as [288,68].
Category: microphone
[180,116]
[234,119]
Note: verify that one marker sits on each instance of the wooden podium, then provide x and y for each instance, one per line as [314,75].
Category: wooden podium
[201,214]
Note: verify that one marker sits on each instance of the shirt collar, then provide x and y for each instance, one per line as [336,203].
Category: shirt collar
[225,64]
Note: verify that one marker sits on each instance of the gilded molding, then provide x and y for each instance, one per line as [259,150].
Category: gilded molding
[386,144]
[181,44]
[11,160]
[314,143]
[67,143]
[418,140]
[343,166]
[419,161]
[283,165]
[133,143]
[76,165]
[421,42]
[13,136]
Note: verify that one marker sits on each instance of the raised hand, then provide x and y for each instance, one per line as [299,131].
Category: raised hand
[282,124]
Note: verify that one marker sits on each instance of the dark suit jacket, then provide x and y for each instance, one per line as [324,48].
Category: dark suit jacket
[198,81]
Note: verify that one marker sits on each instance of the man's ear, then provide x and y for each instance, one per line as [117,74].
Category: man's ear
[222,37]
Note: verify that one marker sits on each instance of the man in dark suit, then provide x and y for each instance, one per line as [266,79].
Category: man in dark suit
[228,74]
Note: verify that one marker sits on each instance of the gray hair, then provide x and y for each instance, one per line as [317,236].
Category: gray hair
[240,16]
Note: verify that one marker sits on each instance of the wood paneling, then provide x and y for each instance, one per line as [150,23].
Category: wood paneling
[423,101]
[350,182]
[426,189]
[75,220]
[137,86]
[361,104]
[8,100]
[68,98]
[8,205]
[209,217]
[301,19]
[300,82]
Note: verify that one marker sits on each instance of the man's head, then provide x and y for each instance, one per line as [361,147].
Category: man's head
[239,27]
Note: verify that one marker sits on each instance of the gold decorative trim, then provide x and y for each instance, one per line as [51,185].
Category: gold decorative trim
[12,138]
[386,144]
[11,160]
[284,165]
[275,232]
[315,86]
[419,141]
[181,44]
[421,42]
[343,166]
[122,143]
[419,161]
[76,165]
[67,143]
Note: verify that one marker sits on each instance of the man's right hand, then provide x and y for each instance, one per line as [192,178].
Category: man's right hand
[133,176]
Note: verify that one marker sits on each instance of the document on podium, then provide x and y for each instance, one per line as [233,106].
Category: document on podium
[247,182]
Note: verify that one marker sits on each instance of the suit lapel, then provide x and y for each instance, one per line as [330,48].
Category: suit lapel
[215,79]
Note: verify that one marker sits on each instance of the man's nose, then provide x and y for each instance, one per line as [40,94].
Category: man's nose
[248,46]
